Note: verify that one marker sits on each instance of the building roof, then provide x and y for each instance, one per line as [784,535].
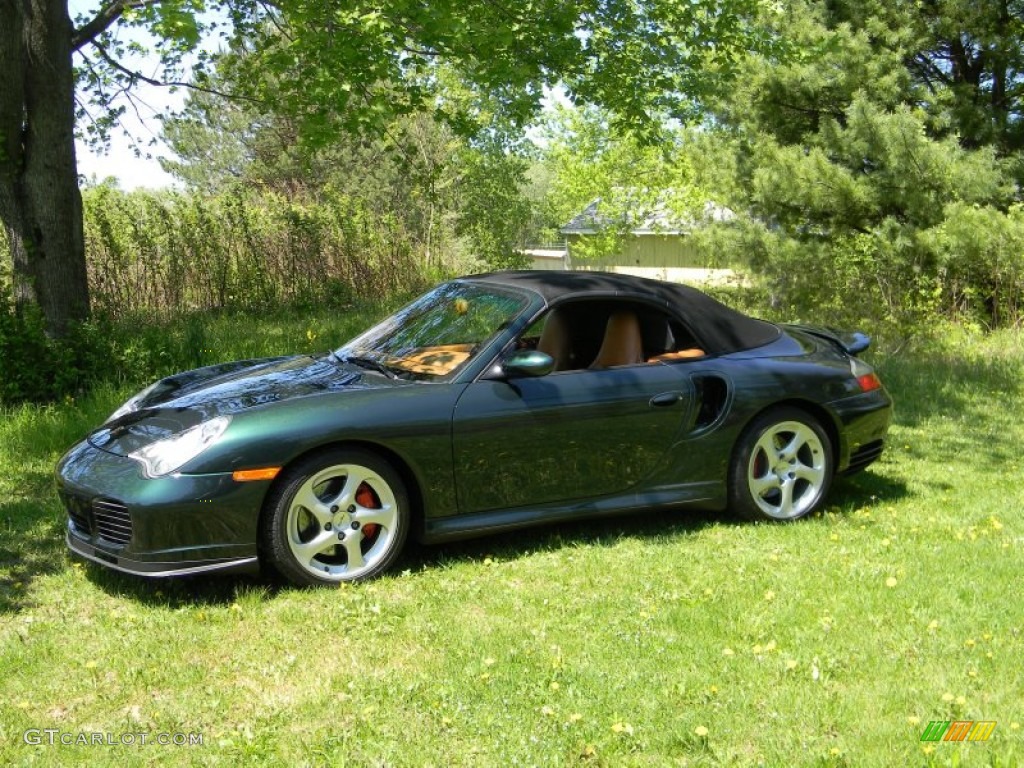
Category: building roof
[553,254]
[658,221]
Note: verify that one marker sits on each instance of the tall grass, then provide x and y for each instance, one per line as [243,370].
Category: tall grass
[163,265]
[154,348]
[163,252]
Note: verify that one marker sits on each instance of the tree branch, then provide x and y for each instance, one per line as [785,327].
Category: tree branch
[133,76]
[837,114]
[928,70]
[106,17]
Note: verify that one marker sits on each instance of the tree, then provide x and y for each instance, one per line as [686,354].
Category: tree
[963,57]
[443,189]
[590,160]
[331,58]
[40,205]
[39,201]
[871,157]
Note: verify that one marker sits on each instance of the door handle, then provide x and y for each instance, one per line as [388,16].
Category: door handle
[666,399]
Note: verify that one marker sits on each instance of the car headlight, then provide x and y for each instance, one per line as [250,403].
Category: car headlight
[165,456]
[132,404]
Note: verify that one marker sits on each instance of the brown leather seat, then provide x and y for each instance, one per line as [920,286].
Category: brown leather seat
[680,354]
[623,343]
[556,340]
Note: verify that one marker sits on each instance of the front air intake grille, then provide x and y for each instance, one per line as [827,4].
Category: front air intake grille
[79,513]
[113,522]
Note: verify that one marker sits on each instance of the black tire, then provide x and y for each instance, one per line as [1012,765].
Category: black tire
[782,466]
[340,515]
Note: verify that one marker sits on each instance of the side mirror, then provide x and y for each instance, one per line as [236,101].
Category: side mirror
[528,362]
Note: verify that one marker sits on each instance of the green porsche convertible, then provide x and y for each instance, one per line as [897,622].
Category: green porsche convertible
[490,403]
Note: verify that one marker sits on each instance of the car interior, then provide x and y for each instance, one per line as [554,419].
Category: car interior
[606,334]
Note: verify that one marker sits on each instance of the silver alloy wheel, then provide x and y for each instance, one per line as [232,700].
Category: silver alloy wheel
[787,471]
[341,522]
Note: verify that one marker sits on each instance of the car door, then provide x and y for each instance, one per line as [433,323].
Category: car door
[565,436]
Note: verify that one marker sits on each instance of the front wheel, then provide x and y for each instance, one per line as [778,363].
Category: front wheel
[782,466]
[337,516]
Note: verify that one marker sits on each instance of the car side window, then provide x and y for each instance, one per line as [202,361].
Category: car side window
[591,335]
[681,345]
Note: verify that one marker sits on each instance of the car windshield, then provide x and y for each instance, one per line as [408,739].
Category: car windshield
[437,334]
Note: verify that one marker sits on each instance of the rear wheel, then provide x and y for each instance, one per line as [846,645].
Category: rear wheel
[336,516]
[782,467]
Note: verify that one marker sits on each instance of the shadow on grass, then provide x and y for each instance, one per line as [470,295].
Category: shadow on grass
[198,591]
[955,408]
[31,545]
[867,487]
[222,589]
[846,494]
[599,532]
[31,534]
[940,384]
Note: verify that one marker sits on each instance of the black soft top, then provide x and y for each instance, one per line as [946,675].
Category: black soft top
[719,329]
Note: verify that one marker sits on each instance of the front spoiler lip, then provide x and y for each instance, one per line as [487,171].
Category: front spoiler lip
[157,569]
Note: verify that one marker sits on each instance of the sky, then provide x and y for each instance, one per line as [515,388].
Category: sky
[121,161]
[131,158]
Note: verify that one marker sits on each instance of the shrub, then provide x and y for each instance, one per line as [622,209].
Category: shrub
[38,368]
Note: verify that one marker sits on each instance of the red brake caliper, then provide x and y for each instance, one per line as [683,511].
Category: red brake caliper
[366,498]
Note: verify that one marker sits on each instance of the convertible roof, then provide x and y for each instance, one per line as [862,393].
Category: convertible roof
[719,328]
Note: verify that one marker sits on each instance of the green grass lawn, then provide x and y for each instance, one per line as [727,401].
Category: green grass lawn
[660,639]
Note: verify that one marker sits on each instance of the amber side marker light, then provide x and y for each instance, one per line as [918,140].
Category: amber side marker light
[248,475]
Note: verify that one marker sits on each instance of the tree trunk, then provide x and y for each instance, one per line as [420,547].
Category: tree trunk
[40,205]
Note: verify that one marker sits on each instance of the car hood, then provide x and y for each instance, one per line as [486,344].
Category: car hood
[185,399]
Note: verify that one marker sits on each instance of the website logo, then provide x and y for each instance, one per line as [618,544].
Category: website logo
[958,730]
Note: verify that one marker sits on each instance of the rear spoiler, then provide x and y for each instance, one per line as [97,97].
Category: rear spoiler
[851,342]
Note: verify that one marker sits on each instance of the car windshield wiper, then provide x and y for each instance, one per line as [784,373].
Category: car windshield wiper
[371,363]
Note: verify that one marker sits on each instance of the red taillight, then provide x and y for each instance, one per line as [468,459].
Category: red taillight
[869,382]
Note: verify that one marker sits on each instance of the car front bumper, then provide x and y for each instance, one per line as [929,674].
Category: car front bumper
[98,554]
[167,526]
